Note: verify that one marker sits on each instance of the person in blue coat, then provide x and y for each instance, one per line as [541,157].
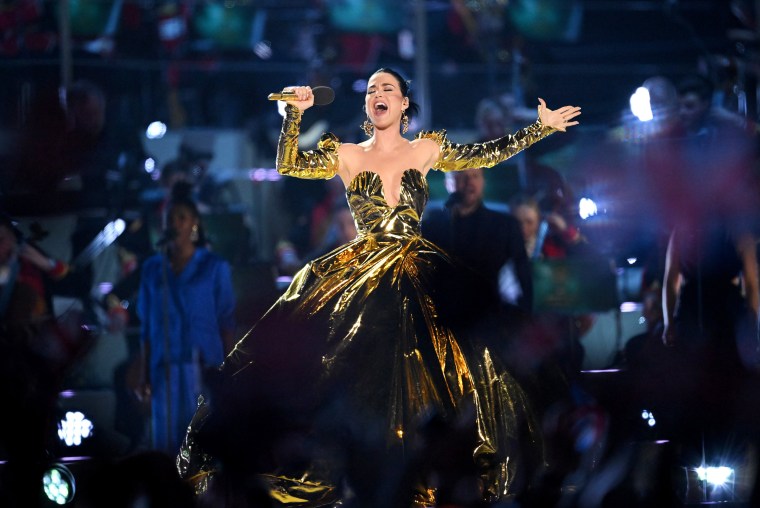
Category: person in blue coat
[186,308]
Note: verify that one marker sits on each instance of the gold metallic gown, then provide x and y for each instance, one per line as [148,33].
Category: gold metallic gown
[384,324]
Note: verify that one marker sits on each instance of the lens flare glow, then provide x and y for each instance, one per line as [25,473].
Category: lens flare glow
[640,105]
[74,428]
[715,475]
[155,130]
[587,208]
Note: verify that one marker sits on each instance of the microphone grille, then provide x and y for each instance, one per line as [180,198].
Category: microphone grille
[323,95]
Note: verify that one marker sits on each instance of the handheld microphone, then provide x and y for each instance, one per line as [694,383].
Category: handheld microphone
[323,95]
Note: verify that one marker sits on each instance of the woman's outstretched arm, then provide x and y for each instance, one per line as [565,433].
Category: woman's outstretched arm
[455,157]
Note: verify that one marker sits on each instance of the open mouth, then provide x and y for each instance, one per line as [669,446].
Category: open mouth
[381,107]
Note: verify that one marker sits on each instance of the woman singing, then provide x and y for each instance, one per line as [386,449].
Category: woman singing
[374,339]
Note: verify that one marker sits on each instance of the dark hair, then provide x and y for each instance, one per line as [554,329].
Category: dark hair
[405,86]
[182,196]
[698,85]
[81,90]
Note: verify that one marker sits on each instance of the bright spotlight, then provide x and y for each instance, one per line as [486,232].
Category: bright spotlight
[640,106]
[586,208]
[150,165]
[155,130]
[74,428]
[715,475]
[58,484]
[632,261]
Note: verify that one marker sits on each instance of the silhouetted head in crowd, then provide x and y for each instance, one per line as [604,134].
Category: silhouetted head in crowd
[491,120]
[695,96]
[183,220]
[527,211]
[86,108]
[466,188]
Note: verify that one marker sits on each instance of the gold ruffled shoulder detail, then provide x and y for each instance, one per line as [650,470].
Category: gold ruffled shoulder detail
[438,136]
[329,142]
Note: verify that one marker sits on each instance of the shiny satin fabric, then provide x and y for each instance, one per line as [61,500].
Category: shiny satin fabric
[382,324]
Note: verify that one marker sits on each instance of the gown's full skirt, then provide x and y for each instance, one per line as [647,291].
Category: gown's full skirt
[368,348]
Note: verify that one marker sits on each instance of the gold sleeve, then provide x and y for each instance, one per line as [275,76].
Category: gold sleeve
[456,157]
[314,164]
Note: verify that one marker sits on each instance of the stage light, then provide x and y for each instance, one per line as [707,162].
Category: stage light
[150,165]
[640,105]
[587,208]
[155,130]
[113,230]
[630,307]
[58,484]
[717,476]
[632,261]
[406,44]
[74,428]
[263,50]
[171,29]
[649,417]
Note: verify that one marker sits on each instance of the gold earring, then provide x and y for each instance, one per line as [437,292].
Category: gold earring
[368,128]
[404,122]
[194,235]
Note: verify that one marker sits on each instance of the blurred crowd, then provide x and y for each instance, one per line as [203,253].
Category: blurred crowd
[165,264]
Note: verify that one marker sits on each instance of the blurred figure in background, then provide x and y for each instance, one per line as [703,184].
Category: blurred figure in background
[340,230]
[711,290]
[24,299]
[35,351]
[487,241]
[697,114]
[192,164]
[186,308]
[550,237]
[546,235]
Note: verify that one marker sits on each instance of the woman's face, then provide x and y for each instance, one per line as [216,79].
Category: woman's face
[384,101]
[181,220]
[528,217]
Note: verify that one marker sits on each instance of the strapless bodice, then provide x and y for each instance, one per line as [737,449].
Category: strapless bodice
[374,216]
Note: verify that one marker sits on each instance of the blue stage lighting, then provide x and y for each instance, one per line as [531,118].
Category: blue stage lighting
[58,484]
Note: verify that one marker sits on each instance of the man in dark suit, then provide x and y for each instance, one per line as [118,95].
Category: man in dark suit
[489,242]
